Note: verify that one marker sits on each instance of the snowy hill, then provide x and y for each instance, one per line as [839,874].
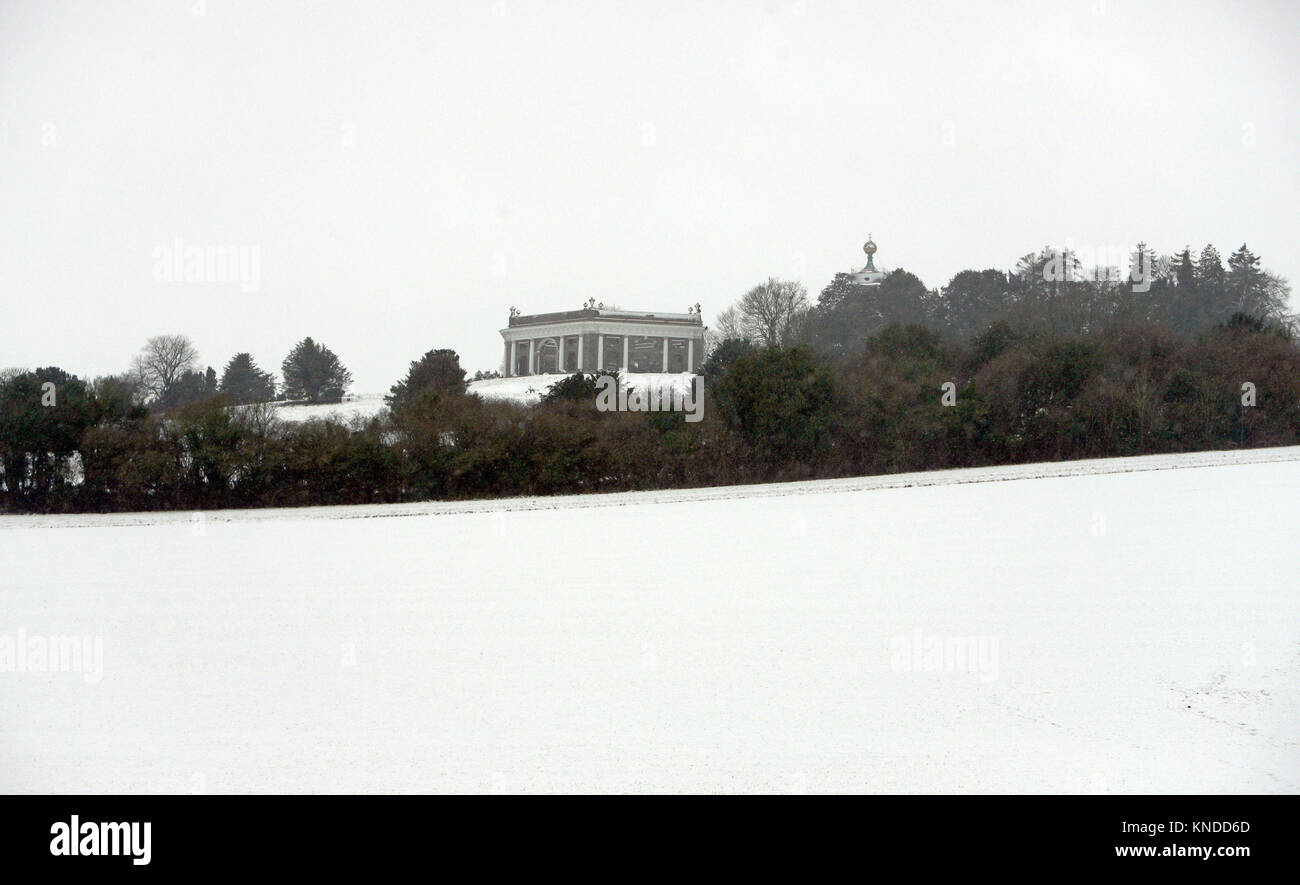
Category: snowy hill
[364,405]
[527,390]
[1129,625]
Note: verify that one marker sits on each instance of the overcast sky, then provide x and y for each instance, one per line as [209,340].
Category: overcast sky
[405,172]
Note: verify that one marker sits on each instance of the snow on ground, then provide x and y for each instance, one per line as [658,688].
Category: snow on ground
[526,389]
[366,405]
[529,388]
[1121,626]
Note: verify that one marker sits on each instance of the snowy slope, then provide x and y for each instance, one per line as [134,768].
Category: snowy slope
[366,405]
[529,388]
[1132,631]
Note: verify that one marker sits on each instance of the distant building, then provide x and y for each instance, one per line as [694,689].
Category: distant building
[595,338]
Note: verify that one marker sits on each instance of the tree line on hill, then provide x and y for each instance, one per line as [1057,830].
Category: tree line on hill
[165,375]
[1049,292]
[995,368]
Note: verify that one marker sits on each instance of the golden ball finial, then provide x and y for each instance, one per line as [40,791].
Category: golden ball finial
[869,246]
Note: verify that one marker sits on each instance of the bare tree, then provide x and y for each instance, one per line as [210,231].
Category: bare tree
[730,325]
[769,311]
[162,362]
[1270,299]
[259,420]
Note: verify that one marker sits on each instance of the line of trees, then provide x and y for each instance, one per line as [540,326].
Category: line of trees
[995,368]
[1048,292]
[165,375]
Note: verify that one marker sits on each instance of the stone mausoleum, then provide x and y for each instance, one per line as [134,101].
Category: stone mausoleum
[596,338]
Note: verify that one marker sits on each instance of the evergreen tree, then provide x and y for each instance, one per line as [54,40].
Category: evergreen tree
[243,382]
[847,314]
[313,372]
[972,299]
[726,352]
[1142,268]
[1209,269]
[438,371]
[781,402]
[1245,281]
[43,414]
[1185,275]
[190,387]
[578,387]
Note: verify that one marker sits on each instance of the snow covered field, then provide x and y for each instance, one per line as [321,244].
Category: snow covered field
[1109,626]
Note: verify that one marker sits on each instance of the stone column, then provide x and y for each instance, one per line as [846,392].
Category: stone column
[581,364]
[559,357]
[690,354]
[600,352]
[514,357]
[625,343]
[663,367]
[532,356]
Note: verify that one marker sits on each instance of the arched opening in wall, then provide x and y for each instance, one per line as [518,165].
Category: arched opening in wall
[548,356]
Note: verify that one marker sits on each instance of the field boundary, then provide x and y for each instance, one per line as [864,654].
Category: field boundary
[922,479]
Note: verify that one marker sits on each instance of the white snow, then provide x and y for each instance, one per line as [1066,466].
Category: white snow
[1135,628]
[365,405]
[526,389]
[529,388]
